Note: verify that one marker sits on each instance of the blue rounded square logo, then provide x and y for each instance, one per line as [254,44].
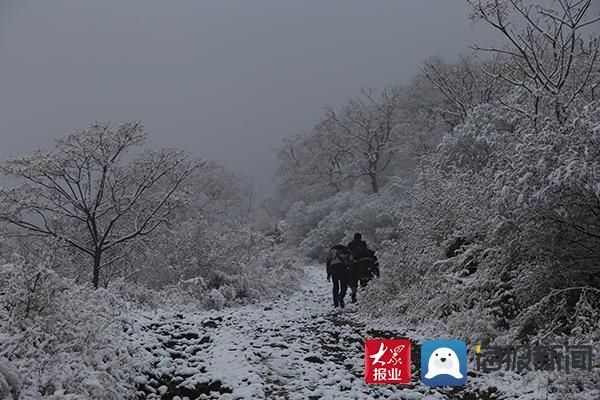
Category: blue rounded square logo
[444,362]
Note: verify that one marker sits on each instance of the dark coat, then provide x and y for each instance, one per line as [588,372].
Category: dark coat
[357,247]
[365,267]
[339,259]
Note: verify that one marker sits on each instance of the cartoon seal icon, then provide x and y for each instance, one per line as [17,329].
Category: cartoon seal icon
[443,361]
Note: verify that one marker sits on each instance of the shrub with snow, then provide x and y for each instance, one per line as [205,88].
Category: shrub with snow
[63,340]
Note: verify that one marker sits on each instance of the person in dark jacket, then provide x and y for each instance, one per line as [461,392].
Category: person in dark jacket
[339,260]
[362,270]
[357,245]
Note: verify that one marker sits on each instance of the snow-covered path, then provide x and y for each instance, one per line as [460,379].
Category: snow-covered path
[294,347]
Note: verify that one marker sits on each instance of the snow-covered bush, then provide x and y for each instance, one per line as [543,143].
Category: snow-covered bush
[215,299]
[212,266]
[303,218]
[63,340]
[506,225]
[328,222]
[10,383]
[137,294]
[246,265]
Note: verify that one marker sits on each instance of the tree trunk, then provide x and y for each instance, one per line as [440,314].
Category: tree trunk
[374,183]
[96,271]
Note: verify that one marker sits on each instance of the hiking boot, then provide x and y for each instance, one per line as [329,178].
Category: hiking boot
[342,304]
[354,298]
[335,305]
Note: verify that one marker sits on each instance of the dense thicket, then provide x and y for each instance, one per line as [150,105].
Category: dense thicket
[487,215]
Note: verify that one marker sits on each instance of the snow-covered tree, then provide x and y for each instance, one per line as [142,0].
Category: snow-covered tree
[83,192]
[465,84]
[504,214]
[307,169]
[365,135]
[361,140]
[552,60]
[219,194]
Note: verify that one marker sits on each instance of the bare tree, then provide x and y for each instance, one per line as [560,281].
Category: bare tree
[464,84]
[219,195]
[83,193]
[307,168]
[365,134]
[549,56]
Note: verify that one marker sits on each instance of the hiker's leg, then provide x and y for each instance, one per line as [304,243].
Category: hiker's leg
[343,288]
[336,287]
[353,288]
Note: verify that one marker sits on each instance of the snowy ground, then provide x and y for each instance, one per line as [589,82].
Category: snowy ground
[295,347]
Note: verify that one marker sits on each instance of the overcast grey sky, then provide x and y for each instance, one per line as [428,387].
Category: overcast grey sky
[226,80]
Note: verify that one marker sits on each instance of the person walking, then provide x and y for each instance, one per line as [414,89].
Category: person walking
[357,245]
[338,264]
[362,270]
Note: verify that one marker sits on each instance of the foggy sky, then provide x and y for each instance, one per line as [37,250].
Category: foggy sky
[225,80]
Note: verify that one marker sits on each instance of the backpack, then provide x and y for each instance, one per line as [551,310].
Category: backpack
[340,255]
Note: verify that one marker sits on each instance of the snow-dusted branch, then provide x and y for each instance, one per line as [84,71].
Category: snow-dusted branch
[81,192]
